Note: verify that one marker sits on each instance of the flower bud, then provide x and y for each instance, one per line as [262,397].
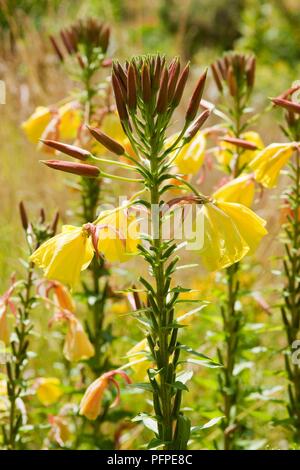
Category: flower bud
[104,39]
[162,99]
[196,98]
[23,216]
[216,77]
[196,125]
[109,143]
[56,48]
[250,71]
[231,81]
[120,102]
[240,143]
[181,85]
[65,39]
[174,70]
[146,83]
[71,150]
[80,169]
[131,88]
[287,104]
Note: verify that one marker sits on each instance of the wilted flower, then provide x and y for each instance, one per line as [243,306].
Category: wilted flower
[5,304]
[48,390]
[269,162]
[60,431]
[91,403]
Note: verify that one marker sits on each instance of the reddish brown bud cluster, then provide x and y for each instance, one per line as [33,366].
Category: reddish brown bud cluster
[44,229]
[149,84]
[235,70]
[89,33]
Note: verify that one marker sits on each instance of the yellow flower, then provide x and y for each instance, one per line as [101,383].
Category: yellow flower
[240,190]
[60,123]
[37,123]
[138,360]
[190,158]
[77,345]
[48,390]
[118,235]
[64,256]
[230,231]
[225,152]
[269,162]
[60,431]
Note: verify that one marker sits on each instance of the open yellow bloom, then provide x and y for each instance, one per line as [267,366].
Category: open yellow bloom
[138,359]
[231,231]
[48,390]
[70,120]
[240,190]
[269,162]
[118,235]
[64,256]
[77,345]
[225,152]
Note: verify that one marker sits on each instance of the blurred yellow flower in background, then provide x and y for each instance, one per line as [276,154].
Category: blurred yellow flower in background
[240,190]
[48,390]
[64,122]
[269,162]
[226,150]
[190,157]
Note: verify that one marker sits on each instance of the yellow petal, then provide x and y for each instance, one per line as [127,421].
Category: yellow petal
[70,121]
[222,244]
[250,225]
[138,360]
[269,162]
[240,190]
[36,124]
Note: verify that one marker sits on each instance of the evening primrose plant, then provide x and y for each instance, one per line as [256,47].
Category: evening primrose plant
[147,91]
[20,299]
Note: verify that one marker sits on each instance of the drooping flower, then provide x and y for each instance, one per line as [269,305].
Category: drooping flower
[77,346]
[240,190]
[231,231]
[226,150]
[48,390]
[91,403]
[190,158]
[59,431]
[64,256]
[269,162]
